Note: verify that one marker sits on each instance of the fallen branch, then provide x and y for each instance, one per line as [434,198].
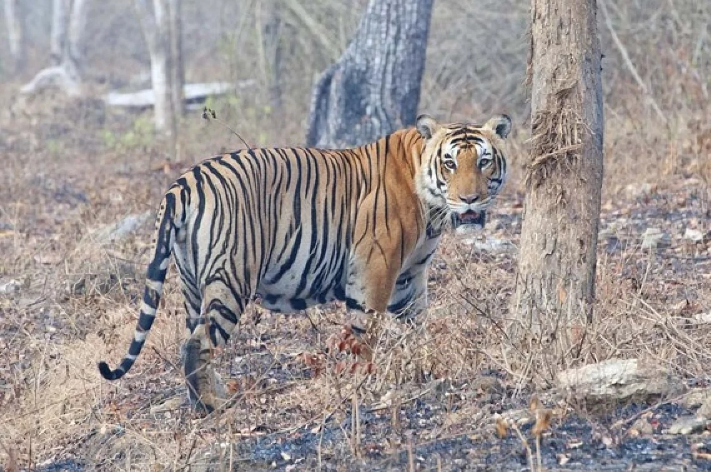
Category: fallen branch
[191,93]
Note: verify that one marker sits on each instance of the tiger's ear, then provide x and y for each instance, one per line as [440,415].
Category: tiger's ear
[426,126]
[499,124]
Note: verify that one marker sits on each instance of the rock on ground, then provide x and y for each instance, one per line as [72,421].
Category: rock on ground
[98,264]
[618,379]
[118,231]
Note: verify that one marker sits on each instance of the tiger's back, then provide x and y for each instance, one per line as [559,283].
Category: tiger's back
[280,224]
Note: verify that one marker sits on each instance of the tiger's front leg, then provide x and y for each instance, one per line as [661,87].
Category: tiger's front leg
[368,291]
[219,315]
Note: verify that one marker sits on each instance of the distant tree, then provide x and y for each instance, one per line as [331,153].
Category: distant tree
[177,69]
[66,49]
[15,35]
[374,88]
[268,26]
[162,31]
[555,287]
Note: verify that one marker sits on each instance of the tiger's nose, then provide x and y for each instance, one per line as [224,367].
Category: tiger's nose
[469,198]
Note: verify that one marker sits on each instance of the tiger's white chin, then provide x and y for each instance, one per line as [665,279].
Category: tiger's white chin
[469,221]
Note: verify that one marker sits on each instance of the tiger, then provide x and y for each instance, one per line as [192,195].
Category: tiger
[299,227]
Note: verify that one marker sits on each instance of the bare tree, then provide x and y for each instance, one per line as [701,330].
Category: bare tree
[555,286]
[58,32]
[268,28]
[374,88]
[66,48]
[15,34]
[177,69]
[161,29]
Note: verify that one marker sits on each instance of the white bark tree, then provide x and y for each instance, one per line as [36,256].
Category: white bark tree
[66,49]
[177,69]
[162,31]
[156,33]
[58,31]
[15,35]
[268,27]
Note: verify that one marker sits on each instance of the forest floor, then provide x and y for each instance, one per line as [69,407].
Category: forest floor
[76,209]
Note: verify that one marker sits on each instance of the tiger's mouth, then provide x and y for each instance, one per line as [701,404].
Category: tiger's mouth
[469,218]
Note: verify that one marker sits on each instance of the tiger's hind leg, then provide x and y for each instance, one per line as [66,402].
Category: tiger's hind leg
[219,315]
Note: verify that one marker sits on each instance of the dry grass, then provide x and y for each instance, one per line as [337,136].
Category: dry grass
[69,166]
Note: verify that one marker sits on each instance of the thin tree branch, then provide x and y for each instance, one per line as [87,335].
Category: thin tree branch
[628,61]
[321,33]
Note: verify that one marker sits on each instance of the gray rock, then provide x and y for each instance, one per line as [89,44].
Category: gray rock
[618,379]
[99,265]
[491,244]
[120,230]
[704,410]
[702,318]
[689,425]
[694,235]
[639,190]
[655,238]
[695,398]
[11,286]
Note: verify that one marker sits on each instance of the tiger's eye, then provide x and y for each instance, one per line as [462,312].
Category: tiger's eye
[450,165]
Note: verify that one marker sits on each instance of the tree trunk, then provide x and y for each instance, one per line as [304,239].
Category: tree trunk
[555,287]
[74,52]
[66,49]
[374,88]
[156,29]
[177,72]
[58,32]
[269,30]
[15,35]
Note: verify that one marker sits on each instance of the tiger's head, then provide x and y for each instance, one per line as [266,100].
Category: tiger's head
[463,169]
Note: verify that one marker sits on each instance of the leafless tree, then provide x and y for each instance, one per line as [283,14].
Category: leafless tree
[161,29]
[66,47]
[15,34]
[269,26]
[555,286]
[176,52]
[374,88]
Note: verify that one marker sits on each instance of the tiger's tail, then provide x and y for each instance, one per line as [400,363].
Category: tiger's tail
[171,216]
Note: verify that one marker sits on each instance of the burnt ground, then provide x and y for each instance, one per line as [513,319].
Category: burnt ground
[73,301]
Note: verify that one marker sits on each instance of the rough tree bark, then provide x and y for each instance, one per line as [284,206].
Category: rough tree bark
[155,29]
[161,29]
[58,31]
[75,37]
[66,49]
[555,286]
[374,88]
[177,69]
[15,35]
[268,28]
